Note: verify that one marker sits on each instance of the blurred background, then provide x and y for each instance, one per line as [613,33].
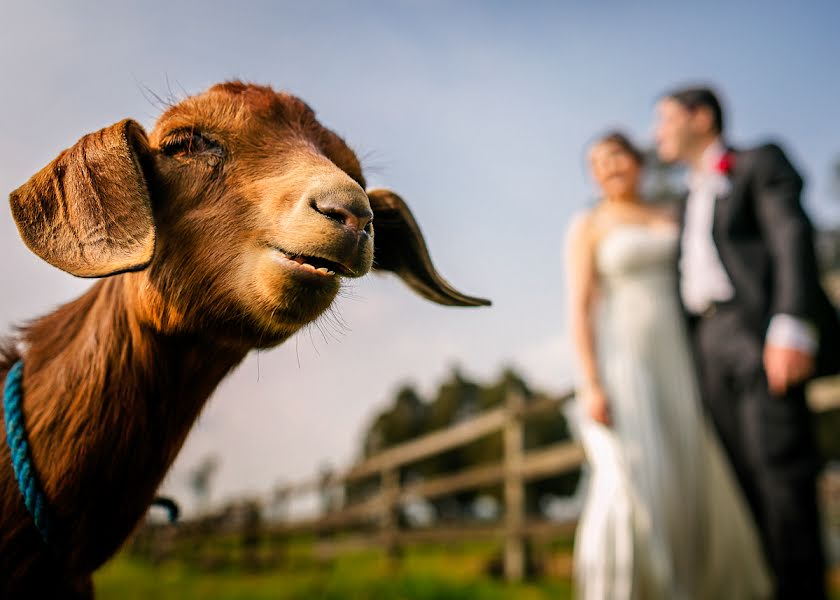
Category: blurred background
[478,114]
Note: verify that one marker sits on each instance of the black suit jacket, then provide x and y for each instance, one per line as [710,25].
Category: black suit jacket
[765,242]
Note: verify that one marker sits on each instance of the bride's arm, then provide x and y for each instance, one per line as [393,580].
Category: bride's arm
[582,283]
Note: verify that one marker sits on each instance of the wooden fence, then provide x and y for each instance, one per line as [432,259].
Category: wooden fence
[515,470]
[375,519]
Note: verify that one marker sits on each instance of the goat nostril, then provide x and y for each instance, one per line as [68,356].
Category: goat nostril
[357,218]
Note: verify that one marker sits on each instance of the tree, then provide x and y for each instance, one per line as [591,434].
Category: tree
[405,419]
[457,399]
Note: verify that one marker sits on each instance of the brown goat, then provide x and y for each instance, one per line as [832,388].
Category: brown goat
[227,229]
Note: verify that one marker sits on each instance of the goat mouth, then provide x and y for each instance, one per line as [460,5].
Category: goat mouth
[316,265]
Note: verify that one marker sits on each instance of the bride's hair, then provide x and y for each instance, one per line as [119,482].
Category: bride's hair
[623,142]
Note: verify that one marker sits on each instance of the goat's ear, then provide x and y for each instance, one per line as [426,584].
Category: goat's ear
[88,212]
[399,247]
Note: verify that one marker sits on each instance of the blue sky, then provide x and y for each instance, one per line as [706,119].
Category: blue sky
[477,113]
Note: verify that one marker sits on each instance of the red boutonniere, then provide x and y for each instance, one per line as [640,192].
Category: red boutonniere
[725,164]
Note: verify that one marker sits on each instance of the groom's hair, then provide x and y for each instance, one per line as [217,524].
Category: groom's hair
[693,98]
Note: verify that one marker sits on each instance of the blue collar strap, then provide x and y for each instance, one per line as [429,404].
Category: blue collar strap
[27,478]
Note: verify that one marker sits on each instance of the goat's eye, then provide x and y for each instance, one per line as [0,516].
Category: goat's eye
[190,143]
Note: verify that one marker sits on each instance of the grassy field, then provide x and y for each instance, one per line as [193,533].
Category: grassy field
[454,573]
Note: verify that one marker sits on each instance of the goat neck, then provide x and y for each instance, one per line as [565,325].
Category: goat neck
[109,401]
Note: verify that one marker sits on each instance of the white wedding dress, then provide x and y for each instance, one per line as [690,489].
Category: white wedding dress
[664,517]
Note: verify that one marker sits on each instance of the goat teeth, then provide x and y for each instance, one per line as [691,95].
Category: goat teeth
[330,272]
[323,270]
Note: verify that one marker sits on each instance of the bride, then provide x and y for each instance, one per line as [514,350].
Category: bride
[664,518]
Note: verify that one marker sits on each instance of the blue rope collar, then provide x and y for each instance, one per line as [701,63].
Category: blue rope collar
[30,488]
[27,478]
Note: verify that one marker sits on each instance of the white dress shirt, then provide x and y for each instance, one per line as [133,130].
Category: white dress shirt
[704,279]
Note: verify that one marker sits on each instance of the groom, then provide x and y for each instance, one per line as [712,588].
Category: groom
[761,324]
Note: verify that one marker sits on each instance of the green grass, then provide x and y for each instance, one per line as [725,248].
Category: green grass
[454,572]
[423,574]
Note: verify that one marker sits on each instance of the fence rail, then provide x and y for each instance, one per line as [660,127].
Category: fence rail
[516,468]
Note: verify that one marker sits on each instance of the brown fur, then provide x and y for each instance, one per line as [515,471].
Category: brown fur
[186,235]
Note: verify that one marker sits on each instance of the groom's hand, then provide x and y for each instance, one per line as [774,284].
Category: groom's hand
[786,367]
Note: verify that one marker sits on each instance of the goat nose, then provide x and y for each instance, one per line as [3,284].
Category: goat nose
[354,215]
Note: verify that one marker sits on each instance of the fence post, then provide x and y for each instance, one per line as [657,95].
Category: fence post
[390,492]
[325,549]
[251,534]
[514,552]
[280,513]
